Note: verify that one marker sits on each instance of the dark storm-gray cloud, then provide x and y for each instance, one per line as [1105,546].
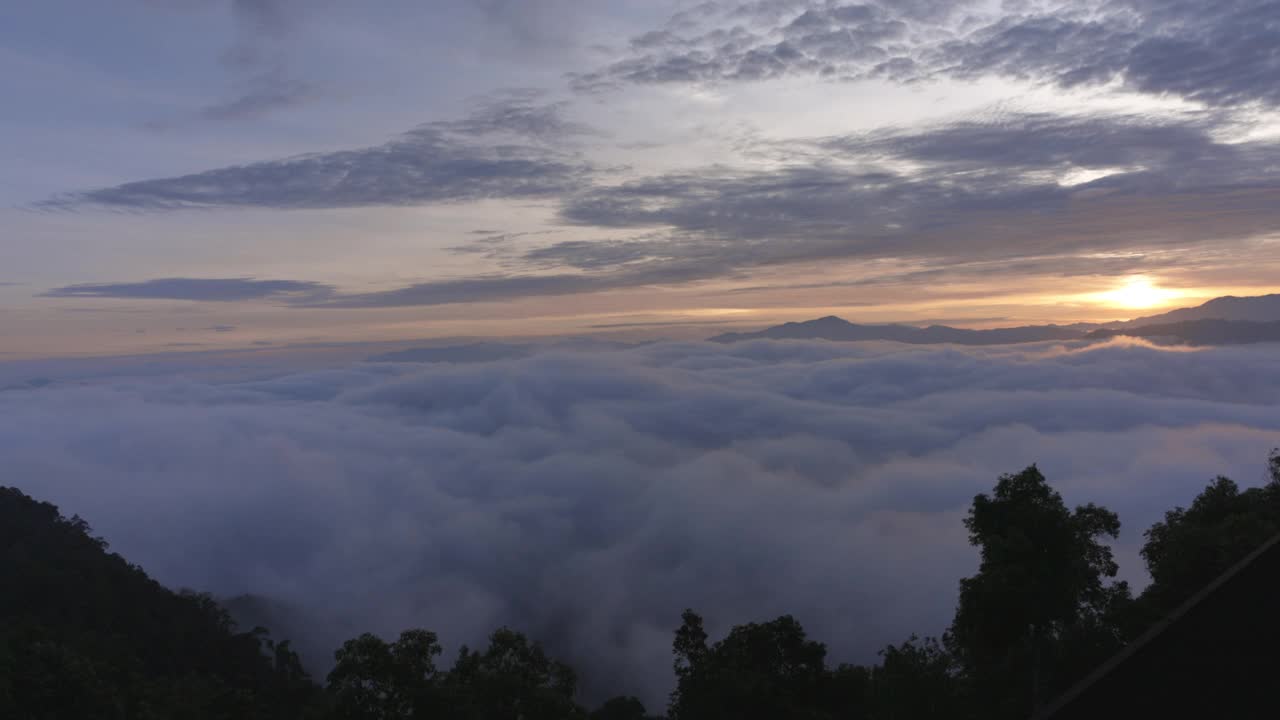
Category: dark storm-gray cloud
[589,497]
[1216,53]
[508,147]
[196,289]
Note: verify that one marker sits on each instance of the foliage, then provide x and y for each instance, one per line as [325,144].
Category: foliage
[917,680]
[84,634]
[512,679]
[1039,589]
[87,635]
[760,670]
[623,707]
[376,680]
[1193,545]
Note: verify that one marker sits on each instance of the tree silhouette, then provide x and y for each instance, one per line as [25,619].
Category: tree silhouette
[512,679]
[916,680]
[1193,545]
[1039,587]
[376,680]
[620,708]
[760,670]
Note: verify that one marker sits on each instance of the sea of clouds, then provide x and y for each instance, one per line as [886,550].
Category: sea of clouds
[588,497]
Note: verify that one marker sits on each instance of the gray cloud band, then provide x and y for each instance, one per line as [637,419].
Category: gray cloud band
[1219,54]
[510,146]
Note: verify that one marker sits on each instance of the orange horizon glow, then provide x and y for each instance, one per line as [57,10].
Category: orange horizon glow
[1139,293]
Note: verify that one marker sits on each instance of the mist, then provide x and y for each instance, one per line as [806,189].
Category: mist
[586,498]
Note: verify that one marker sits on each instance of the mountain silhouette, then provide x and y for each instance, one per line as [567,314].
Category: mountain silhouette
[838,329]
[1226,320]
[1258,309]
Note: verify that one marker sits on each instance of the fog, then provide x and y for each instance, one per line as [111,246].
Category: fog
[586,498]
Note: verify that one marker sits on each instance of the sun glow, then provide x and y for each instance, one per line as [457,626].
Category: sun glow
[1138,293]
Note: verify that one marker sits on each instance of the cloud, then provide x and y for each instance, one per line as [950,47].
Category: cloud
[589,497]
[657,323]
[260,59]
[1218,54]
[269,93]
[531,28]
[507,287]
[196,289]
[999,186]
[478,289]
[997,193]
[752,41]
[507,148]
[521,113]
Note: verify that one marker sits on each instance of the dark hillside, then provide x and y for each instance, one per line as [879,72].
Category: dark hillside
[85,634]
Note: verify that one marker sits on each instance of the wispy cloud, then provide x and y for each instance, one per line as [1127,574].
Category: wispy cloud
[995,193]
[196,289]
[260,60]
[996,187]
[268,93]
[508,147]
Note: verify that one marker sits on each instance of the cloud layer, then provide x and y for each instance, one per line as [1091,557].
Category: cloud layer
[196,289]
[1022,188]
[1006,185]
[508,147]
[1219,54]
[588,497]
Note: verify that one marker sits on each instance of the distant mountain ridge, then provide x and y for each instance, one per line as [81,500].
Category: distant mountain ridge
[1257,309]
[1226,320]
[841,330]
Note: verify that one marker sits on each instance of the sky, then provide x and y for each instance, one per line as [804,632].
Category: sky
[184,174]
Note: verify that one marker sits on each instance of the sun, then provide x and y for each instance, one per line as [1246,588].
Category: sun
[1138,293]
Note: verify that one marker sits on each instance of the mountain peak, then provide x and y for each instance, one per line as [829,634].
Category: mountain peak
[825,320]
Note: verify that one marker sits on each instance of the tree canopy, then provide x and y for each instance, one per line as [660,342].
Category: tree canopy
[1041,588]
[1193,545]
[759,670]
